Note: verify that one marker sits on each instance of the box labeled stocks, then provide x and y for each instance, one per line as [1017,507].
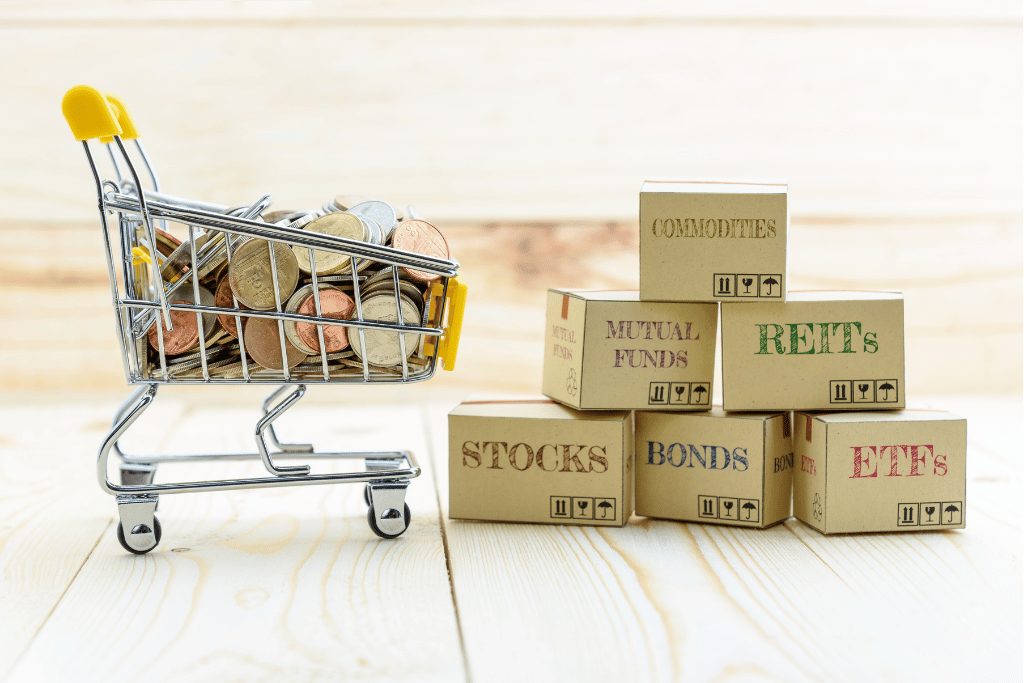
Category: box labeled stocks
[713,241]
[533,460]
[725,468]
[817,351]
[609,350]
[880,471]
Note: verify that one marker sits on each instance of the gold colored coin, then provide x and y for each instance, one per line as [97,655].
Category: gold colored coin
[252,280]
[337,225]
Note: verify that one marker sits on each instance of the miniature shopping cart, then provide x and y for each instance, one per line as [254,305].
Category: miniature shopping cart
[142,298]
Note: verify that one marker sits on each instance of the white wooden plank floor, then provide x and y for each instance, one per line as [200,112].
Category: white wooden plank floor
[291,584]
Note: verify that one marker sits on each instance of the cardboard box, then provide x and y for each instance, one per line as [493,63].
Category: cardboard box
[725,468]
[713,241]
[817,351]
[609,350]
[533,460]
[880,471]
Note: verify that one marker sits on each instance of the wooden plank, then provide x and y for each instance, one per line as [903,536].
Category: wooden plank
[51,512]
[455,11]
[534,121]
[660,600]
[286,582]
[961,278]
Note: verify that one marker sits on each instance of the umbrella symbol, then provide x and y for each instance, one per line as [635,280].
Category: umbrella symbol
[604,505]
[749,507]
[951,509]
[770,281]
[699,390]
[886,388]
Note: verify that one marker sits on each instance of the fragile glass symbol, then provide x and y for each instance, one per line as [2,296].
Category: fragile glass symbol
[728,506]
[583,505]
[747,281]
[863,389]
[679,392]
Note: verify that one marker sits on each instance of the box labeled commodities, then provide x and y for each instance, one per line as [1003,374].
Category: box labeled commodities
[533,460]
[719,467]
[713,241]
[816,351]
[611,351]
[880,471]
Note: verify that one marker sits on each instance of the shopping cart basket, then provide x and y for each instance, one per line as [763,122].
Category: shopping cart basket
[145,296]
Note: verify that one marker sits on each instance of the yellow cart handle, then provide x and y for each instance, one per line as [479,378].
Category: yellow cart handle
[448,344]
[92,114]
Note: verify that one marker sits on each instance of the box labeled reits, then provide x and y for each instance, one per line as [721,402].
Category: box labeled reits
[533,460]
[818,351]
[611,351]
[713,241]
[880,471]
[724,468]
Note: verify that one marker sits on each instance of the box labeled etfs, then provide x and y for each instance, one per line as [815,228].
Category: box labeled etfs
[533,460]
[880,471]
[610,351]
[713,241]
[817,351]
[718,467]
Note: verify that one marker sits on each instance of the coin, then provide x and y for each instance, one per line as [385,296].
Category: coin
[381,212]
[343,202]
[337,225]
[275,216]
[225,299]
[182,338]
[263,343]
[252,280]
[166,243]
[420,237]
[382,347]
[333,304]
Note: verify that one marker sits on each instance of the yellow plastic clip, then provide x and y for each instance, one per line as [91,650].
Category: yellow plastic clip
[124,119]
[89,113]
[140,255]
[448,344]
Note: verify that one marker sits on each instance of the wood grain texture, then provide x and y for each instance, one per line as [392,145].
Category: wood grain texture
[262,585]
[539,120]
[660,600]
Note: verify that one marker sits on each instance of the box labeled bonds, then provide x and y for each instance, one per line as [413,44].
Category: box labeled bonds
[880,471]
[533,460]
[724,468]
[817,351]
[713,241]
[611,351]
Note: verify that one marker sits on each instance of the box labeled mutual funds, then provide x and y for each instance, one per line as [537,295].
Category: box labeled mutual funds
[880,471]
[724,468]
[817,351]
[611,351]
[713,241]
[533,460]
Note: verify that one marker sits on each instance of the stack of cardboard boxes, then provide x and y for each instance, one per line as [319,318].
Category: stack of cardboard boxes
[850,459]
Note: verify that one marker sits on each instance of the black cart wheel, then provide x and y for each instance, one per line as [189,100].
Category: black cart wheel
[371,518]
[157,532]
[366,494]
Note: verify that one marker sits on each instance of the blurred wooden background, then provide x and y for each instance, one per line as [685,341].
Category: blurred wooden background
[524,129]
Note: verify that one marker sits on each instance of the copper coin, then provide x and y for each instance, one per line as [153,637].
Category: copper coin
[166,243]
[225,299]
[333,304]
[183,337]
[263,343]
[420,237]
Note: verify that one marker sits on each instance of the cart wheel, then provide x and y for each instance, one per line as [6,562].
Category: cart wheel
[366,494]
[157,532]
[371,518]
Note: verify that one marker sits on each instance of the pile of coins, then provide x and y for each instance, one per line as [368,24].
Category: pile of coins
[249,280]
